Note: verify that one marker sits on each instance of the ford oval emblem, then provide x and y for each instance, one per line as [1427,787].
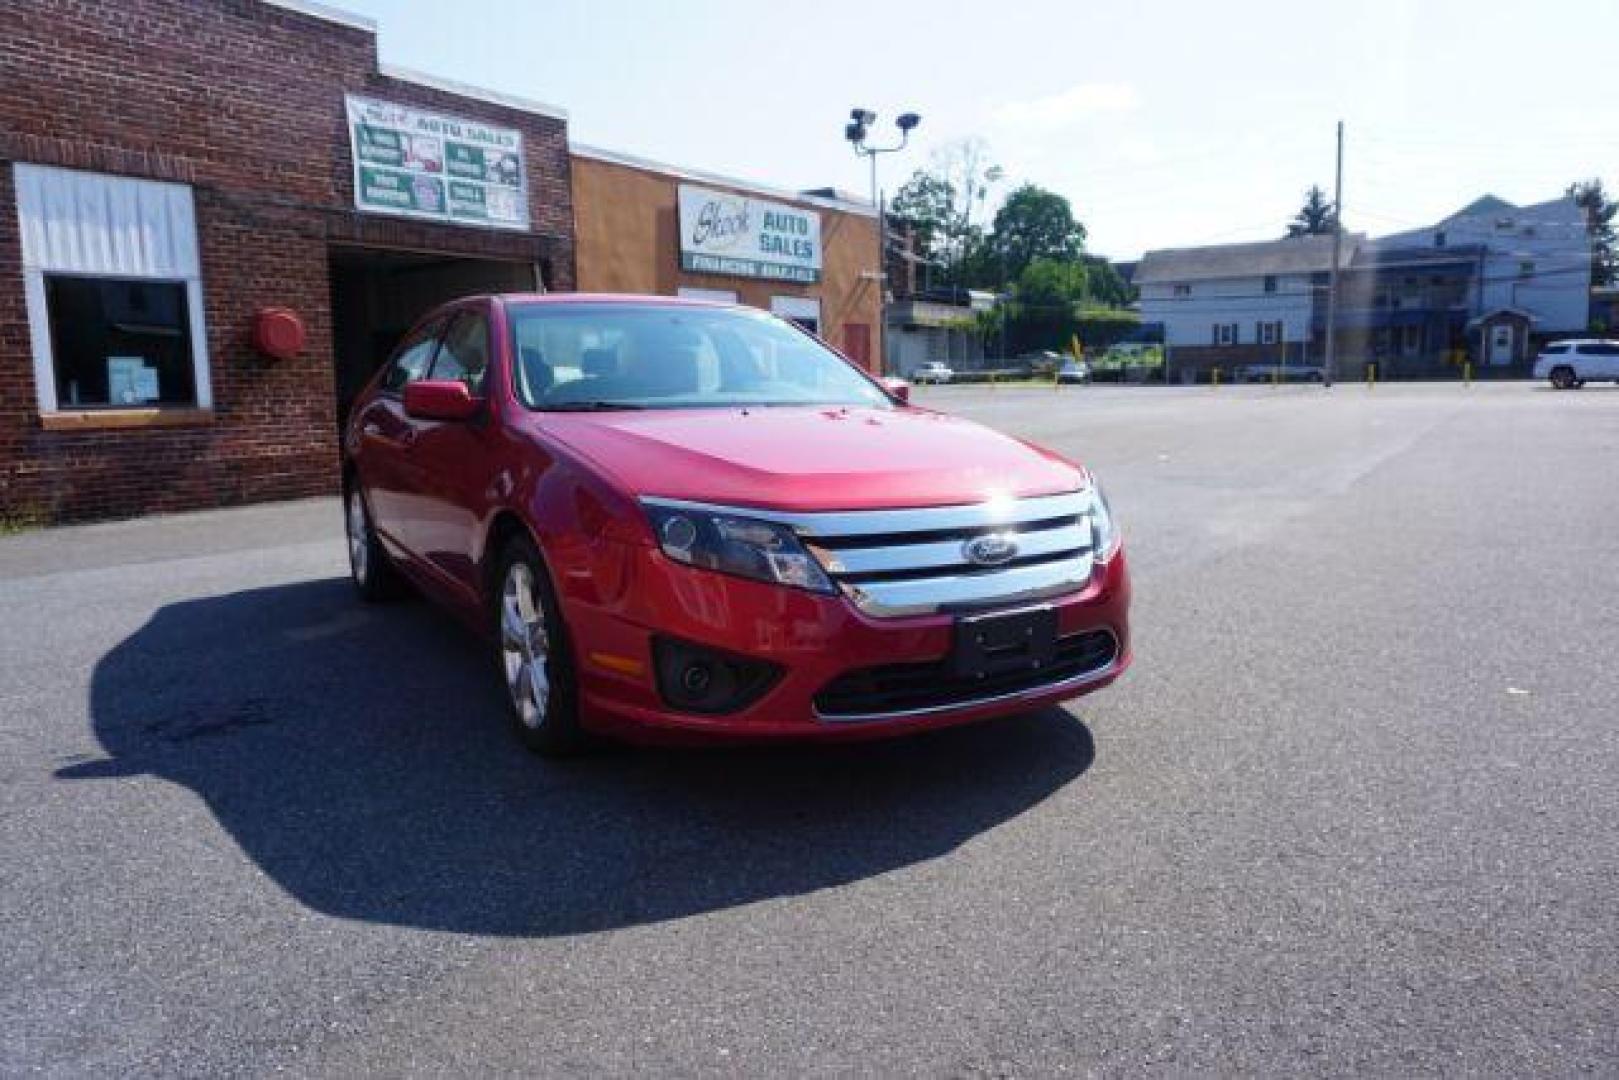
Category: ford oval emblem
[992,550]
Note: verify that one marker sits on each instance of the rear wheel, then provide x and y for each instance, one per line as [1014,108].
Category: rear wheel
[373,575]
[532,647]
[1563,378]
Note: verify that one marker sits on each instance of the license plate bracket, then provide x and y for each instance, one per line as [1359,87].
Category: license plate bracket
[1007,641]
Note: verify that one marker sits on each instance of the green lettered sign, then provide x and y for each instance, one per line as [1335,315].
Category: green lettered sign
[421,164]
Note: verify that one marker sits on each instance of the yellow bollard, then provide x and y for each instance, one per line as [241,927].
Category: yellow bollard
[1467,373]
[1371,376]
[1214,380]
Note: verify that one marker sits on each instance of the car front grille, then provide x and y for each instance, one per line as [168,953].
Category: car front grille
[916,562]
[878,693]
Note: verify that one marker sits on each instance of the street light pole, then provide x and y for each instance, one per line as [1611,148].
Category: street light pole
[856,130]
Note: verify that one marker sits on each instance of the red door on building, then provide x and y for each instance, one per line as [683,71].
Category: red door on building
[857,343]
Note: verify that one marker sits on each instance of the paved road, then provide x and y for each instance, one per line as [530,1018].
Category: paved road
[1356,810]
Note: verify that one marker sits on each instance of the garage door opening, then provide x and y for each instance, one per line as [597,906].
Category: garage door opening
[378,295]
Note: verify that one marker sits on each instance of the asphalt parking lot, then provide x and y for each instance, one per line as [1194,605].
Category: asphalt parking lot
[1355,810]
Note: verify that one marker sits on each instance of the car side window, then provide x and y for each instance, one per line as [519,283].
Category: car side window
[465,355]
[411,361]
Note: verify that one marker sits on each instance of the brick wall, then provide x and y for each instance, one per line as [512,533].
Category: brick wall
[244,102]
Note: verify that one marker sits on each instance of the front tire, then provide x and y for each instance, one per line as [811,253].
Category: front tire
[1563,378]
[532,648]
[374,577]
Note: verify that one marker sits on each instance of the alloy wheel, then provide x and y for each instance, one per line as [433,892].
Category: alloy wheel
[359,531]
[525,646]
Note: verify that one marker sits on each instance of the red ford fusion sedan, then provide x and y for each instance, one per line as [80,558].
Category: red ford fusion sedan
[676,518]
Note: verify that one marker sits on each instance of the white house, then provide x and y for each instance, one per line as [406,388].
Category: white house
[1491,281]
[1239,303]
[1534,279]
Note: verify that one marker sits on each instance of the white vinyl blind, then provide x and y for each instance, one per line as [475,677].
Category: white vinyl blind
[105,226]
[95,225]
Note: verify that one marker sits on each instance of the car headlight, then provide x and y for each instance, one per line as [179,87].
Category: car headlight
[732,544]
[1105,536]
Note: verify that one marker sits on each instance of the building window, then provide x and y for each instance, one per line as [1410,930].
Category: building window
[1270,332]
[724,296]
[119,343]
[1439,238]
[1183,290]
[113,290]
[1526,269]
[1412,345]
[1225,333]
[1270,283]
[805,311]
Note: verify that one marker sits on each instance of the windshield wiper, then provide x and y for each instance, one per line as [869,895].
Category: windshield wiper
[590,406]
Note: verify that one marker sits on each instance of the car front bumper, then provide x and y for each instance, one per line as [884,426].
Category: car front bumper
[814,640]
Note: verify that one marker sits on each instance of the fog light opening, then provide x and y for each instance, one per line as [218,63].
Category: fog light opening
[694,678]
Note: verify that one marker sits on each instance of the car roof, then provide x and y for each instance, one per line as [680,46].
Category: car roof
[1583,341]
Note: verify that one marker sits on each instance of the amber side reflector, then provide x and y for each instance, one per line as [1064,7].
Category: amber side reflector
[624,665]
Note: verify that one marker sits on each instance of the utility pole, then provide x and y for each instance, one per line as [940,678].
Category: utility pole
[1332,278]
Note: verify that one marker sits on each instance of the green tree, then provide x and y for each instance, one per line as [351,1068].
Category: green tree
[928,202]
[1316,217]
[1599,215]
[1036,224]
[941,203]
[1051,284]
[1105,285]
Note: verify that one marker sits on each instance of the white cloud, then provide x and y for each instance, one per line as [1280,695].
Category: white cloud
[1069,107]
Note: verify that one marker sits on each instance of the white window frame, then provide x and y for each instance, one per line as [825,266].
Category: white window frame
[130,256]
[723,296]
[1268,331]
[1226,334]
[797,307]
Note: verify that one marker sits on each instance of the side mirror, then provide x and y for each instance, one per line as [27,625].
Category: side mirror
[440,399]
[899,388]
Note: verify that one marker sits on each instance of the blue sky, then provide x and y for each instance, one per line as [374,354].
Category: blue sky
[1169,123]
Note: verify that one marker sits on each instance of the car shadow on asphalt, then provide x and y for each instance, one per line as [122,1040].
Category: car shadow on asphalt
[359,757]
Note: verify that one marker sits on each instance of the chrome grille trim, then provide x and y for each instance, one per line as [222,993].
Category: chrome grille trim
[896,563]
[920,519]
[970,589]
[899,556]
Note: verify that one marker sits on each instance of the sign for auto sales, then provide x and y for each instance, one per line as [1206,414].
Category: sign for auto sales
[725,233]
[422,164]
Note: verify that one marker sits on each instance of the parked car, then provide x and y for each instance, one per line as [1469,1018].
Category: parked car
[1074,371]
[675,518]
[1571,364]
[932,372]
[1042,362]
[1262,373]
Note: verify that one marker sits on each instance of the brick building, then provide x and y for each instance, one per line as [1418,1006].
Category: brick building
[171,169]
[646,227]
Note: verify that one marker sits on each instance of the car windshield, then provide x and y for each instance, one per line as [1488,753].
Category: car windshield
[673,356]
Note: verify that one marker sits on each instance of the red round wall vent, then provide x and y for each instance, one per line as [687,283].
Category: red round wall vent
[278,333]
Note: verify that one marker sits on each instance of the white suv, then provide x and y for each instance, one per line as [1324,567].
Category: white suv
[1574,363]
[932,372]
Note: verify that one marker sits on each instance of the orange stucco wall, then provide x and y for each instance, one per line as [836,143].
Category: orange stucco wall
[625,240]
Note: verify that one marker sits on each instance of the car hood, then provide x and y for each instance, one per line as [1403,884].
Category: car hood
[809,458]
